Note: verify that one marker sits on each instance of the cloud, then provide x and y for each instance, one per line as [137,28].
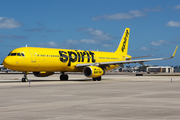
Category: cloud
[49,44]
[52,44]
[36,29]
[159,42]
[9,23]
[91,41]
[156,9]
[39,23]
[177,38]
[120,16]
[97,34]
[177,7]
[12,37]
[107,45]
[70,41]
[173,24]
[97,37]
[42,28]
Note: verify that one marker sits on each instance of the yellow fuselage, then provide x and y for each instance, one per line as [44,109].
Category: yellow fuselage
[34,59]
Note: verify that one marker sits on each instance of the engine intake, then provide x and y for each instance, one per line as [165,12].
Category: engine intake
[93,71]
[43,74]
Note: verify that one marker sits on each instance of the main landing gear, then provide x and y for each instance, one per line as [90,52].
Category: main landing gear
[97,79]
[64,76]
[24,79]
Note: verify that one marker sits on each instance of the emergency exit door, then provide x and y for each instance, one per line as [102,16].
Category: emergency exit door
[33,55]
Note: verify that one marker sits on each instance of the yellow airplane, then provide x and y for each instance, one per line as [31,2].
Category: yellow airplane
[44,62]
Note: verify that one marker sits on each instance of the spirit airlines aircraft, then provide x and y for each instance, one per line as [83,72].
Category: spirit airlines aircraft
[44,62]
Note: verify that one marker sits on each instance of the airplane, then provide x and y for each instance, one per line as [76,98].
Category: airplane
[44,62]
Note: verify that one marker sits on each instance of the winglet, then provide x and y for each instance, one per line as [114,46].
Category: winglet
[174,52]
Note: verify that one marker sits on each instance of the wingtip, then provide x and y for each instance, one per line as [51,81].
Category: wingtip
[174,51]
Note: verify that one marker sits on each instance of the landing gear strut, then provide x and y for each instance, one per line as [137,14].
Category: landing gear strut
[64,76]
[98,79]
[24,79]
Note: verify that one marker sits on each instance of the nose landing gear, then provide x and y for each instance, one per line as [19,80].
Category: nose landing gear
[24,79]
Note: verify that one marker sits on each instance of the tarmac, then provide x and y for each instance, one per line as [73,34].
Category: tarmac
[116,97]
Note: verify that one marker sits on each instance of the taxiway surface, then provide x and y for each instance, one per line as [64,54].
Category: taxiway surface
[116,97]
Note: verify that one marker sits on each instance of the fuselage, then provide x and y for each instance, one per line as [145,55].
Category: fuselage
[33,59]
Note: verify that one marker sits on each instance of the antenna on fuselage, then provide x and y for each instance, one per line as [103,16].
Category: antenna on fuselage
[26,45]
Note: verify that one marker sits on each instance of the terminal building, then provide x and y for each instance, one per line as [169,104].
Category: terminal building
[155,69]
[162,69]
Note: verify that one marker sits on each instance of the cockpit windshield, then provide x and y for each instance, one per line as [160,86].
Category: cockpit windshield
[16,54]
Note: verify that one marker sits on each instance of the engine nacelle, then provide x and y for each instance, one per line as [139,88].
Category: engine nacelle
[93,71]
[42,74]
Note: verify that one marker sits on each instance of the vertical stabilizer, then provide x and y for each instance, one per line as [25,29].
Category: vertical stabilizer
[123,45]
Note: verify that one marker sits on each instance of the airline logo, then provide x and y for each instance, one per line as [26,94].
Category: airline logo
[97,71]
[125,40]
[75,56]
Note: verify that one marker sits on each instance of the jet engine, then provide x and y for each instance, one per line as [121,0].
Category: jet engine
[93,71]
[42,74]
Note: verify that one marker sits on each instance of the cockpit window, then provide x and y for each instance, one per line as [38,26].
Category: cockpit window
[18,54]
[22,54]
[9,54]
[13,54]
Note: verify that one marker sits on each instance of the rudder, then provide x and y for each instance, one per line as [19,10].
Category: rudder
[123,45]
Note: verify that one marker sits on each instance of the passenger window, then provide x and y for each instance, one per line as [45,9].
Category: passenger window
[13,54]
[18,54]
[22,54]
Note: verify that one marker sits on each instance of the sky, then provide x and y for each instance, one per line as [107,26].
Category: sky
[92,25]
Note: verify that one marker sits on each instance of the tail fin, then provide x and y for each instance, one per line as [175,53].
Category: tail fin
[123,45]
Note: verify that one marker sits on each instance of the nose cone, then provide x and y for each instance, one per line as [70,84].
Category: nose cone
[8,62]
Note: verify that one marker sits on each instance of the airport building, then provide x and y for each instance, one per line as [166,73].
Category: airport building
[1,67]
[163,69]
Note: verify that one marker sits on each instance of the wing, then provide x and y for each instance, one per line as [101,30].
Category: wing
[138,57]
[141,61]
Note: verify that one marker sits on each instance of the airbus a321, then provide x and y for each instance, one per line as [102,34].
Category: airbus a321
[44,62]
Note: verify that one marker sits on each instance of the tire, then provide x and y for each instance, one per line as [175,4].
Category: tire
[61,77]
[66,77]
[99,78]
[23,80]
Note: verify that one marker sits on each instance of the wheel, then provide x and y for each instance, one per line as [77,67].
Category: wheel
[61,77]
[99,78]
[24,79]
[66,77]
